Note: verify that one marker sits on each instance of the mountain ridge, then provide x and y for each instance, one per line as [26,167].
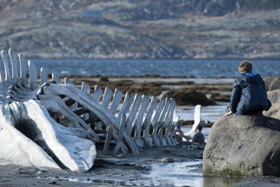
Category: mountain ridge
[130,29]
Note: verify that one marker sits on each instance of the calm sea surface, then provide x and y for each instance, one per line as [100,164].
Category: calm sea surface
[196,68]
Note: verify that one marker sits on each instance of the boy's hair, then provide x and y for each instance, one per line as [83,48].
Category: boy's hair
[245,67]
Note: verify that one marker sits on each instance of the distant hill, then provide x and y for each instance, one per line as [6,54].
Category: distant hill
[146,29]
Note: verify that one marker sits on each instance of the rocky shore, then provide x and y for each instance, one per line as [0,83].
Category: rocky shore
[185,90]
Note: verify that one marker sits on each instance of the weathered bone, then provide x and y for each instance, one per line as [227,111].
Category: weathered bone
[132,114]
[155,122]
[116,101]
[126,104]
[68,122]
[138,123]
[86,101]
[24,152]
[147,122]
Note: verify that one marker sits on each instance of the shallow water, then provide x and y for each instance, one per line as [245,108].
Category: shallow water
[210,113]
[160,174]
[168,174]
[177,174]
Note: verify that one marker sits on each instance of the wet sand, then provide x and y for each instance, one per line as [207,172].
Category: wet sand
[169,166]
[153,166]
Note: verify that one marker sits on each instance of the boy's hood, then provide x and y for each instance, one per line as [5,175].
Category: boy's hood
[250,77]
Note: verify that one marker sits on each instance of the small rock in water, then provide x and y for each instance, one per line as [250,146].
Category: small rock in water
[167,160]
[166,151]
[41,171]
[53,182]
[104,79]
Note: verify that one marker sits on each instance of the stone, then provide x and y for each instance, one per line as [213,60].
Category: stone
[187,97]
[243,146]
[274,97]
[272,83]
[275,84]
[274,111]
[267,81]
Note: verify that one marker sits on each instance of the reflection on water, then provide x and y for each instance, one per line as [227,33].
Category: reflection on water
[222,181]
[175,174]
[160,174]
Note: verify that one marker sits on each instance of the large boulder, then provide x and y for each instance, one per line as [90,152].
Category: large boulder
[274,97]
[272,83]
[243,145]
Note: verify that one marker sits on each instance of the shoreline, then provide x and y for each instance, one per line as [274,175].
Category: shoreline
[174,166]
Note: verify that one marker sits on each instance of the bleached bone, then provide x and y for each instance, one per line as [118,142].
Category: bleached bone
[168,122]
[197,126]
[54,104]
[15,65]
[105,102]
[128,99]
[125,106]
[23,70]
[113,109]
[131,117]
[85,100]
[139,120]
[59,142]
[107,96]
[161,122]
[55,77]
[155,122]
[97,93]
[54,138]
[32,75]
[7,76]
[67,111]
[147,122]
[16,148]
[119,139]
[43,75]
[197,119]
[110,131]
[117,97]
[82,112]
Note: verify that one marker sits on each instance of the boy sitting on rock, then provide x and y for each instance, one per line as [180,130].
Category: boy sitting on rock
[248,95]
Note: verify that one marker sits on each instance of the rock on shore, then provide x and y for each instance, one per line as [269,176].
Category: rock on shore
[272,83]
[243,145]
[187,97]
[274,97]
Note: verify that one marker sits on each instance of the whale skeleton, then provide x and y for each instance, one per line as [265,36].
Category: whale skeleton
[49,123]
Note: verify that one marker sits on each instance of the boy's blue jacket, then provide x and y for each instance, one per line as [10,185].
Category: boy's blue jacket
[249,95]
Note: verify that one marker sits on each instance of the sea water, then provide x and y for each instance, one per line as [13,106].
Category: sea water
[173,68]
